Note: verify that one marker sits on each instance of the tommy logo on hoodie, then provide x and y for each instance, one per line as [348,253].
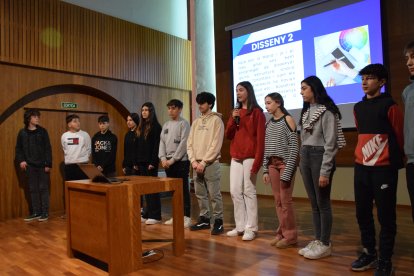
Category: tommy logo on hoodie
[73,141]
[372,150]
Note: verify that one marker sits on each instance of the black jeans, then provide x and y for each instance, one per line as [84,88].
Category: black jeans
[38,184]
[181,169]
[153,201]
[409,174]
[379,186]
[73,172]
[130,171]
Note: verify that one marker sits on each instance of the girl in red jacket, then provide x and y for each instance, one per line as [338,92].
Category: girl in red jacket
[245,129]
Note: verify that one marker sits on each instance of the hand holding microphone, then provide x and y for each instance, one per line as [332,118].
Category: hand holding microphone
[236,115]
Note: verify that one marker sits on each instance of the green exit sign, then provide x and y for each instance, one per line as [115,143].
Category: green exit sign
[69,105]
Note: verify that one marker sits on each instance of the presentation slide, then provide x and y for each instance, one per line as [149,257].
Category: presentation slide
[333,45]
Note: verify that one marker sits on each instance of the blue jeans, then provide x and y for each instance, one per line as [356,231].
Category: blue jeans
[320,197]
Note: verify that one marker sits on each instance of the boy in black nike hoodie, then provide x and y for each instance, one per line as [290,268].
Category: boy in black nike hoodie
[378,157]
[104,144]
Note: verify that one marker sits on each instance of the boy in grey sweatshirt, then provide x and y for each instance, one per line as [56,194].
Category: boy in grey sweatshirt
[173,153]
[408,99]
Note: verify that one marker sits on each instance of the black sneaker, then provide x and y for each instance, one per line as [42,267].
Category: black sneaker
[32,217]
[384,268]
[365,261]
[218,227]
[202,223]
[43,217]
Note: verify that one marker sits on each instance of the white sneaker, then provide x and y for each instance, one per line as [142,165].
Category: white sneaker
[319,251]
[234,233]
[169,222]
[307,248]
[143,219]
[248,235]
[187,222]
[152,221]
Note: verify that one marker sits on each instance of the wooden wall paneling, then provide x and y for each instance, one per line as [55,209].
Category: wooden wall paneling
[11,195]
[66,22]
[5,41]
[150,65]
[400,31]
[9,38]
[41,18]
[18,82]
[89,42]
[2,28]
[224,100]
[46,20]
[70,17]
[149,51]
[17,35]
[13,33]
[38,53]
[54,121]
[24,33]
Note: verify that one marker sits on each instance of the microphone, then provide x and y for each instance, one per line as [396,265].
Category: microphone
[237,118]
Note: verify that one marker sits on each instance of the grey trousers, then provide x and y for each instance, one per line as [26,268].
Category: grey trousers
[209,184]
[320,198]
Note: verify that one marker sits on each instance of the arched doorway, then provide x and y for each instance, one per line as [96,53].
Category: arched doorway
[91,103]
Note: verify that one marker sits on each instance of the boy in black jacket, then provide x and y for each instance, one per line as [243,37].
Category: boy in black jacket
[104,145]
[378,157]
[34,156]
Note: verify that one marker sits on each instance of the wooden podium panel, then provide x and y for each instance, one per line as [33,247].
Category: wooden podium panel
[104,220]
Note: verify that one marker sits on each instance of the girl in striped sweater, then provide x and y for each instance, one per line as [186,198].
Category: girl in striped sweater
[280,161]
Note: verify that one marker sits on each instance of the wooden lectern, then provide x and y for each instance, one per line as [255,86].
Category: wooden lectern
[104,220]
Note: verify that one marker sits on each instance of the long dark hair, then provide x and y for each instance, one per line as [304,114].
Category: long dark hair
[321,97]
[251,97]
[279,99]
[145,125]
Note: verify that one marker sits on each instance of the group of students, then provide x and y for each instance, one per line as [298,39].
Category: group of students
[255,143]
[383,137]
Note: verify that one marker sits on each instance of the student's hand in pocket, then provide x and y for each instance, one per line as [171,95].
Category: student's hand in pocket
[266,178]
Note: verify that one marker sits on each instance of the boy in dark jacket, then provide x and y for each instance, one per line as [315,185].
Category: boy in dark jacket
[104,145]
[34,156]
[378,157]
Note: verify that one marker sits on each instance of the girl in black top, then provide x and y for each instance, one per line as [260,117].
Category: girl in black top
[146,158]
[129,145]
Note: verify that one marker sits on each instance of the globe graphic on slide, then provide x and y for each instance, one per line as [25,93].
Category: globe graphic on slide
[353,38]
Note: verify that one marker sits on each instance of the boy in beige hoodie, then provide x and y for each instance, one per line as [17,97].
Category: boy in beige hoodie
[203,149]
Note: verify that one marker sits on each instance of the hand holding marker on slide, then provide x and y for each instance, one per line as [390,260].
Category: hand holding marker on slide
[342,68]
[333,61]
